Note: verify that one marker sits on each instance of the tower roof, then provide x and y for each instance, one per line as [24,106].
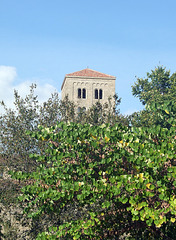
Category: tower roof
[89,73]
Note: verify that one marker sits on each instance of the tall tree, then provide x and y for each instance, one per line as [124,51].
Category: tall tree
[27,115]
[105,182]
[16,146]
[159,85]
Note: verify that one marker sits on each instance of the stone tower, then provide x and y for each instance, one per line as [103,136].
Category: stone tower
[87,86]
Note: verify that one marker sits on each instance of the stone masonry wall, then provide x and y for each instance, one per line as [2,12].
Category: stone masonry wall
[72,84]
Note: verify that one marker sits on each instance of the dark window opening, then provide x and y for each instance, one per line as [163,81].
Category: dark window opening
[96,93]
[100,94]
[79,92]
[84,93]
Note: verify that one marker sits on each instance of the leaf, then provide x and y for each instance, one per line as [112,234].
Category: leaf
[148,185]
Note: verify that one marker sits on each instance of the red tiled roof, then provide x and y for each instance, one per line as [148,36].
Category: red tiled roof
[89,73]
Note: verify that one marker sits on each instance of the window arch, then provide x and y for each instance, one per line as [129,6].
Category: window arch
[96,93]
[84,93]
[100,94]
[79,92]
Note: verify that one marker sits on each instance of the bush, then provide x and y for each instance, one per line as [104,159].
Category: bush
[110,180]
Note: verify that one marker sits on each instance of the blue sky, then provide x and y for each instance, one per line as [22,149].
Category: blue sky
[42,40]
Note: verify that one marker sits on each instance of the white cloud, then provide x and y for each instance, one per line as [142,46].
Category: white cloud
[8,75]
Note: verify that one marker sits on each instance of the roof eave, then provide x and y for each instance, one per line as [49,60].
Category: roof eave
[68,76]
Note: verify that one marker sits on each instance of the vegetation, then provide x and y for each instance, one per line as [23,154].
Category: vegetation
[118,180]
[29,113]
[16,147]
[157,88]
[96,174]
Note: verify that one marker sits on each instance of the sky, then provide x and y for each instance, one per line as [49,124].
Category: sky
[42,40]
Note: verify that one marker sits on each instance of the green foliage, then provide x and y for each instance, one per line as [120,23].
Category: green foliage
[67,110]
[16,146]
[158,86]
[115,179]
[156,114]
[96,177]
[158,89]
[27,115]
[103,113]
[13,139]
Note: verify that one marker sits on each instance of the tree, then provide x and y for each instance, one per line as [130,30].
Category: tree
[105,113]
[67,110]
[157,87]
[15,149]
[116,180]
[16,146]
[27,115]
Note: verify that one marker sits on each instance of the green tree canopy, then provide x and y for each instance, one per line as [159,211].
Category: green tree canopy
[112,180]
[27,115]
[159,85]
[158,88]
[16,146]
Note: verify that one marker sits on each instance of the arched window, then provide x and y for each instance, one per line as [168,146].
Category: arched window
[84,93]
[79,92]
[79,109]
[100,94]
[96,93]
